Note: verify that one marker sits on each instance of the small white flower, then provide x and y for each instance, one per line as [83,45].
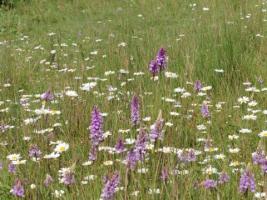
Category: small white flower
[260,195]
[201,127]
[94,52]
[88,86]
[84,182]
[169,124]
[206,88]
[47,130]
[234,150]
[124,130]
[169,100]
[179,90]
[31,120]
[122,44]
[58,193]
[174,114]
[171,75]
[219,70]
[250,117]
[211,149]
[201,139]
[245,130]
[33,186]
[107,73]
[135,193]
[57,125]
[252,103]
[108,163]
[201,94]
[26,138]
[155,78]
[129,141]
[185,95]
[255,111]
[182,172]
[243,100]
[154,191]
[44,111]
[142,170]
[167,150]
[90,177]
[210,170]
[71,93]
[219,157]
[146,119]
[233,137]
[138,73]
[150,146]
[106,134]
[247,83]
[51,34]
[252,89]
[123,71]
[19,162]
[263,133]
[14,157]
[87,163]
[61,147]
[234,164]
[52,155]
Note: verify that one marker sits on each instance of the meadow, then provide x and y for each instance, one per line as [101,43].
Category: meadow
[133,99]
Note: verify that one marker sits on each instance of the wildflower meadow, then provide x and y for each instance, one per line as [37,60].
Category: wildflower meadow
[133,99]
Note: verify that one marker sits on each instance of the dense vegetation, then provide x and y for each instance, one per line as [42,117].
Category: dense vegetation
[80,80]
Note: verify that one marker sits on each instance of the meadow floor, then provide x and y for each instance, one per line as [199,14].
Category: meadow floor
[133,99]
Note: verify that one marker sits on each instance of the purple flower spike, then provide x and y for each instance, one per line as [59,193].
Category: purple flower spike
[48,180]
[17,190]
[139,150]
[258,157]
[223,178]
[108,192]
[264,167]
[187,156]
[164,174]
[153,68]
[35,152]
[119,147]
[93,153]
[209,184]
[12,168]
[68,178]
[131,159]
[96,128]
[140,144]
[247,182]
[156,130]
[197,86]
[205,110]
[47,96]
[135,116]
[162,59]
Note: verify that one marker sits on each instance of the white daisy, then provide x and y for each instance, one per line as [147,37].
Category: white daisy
[71,93]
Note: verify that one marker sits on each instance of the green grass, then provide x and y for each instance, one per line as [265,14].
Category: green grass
[197,42]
